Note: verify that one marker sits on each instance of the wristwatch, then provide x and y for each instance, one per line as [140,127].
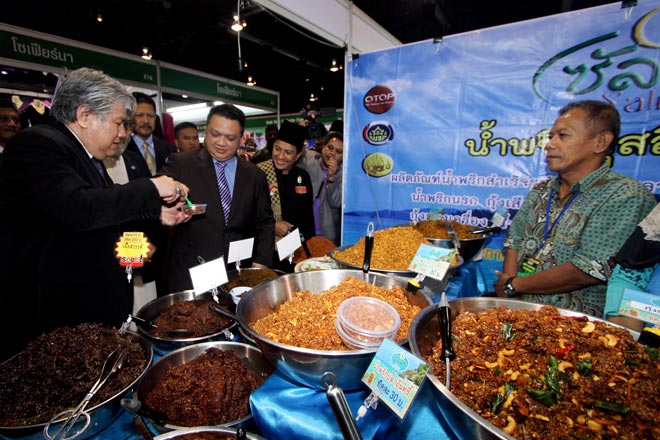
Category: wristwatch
[509,290]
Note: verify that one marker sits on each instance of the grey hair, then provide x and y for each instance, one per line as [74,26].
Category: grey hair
[88,88]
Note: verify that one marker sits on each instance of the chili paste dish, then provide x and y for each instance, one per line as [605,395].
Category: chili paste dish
[538,374]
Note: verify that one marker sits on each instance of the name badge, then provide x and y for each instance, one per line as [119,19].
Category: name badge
[301,190]
[528,266]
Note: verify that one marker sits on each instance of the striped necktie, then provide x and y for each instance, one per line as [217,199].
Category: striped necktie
[149,158]
[223,187]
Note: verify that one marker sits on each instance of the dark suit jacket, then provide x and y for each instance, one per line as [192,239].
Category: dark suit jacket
[157,234]
[62,268]
[162,147]
[206,235]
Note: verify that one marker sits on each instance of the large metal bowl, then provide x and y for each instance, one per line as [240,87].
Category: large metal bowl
[433,286]
[423,335]
[469,247]
[303,365]
[155,307]
[251,356]
[101,415]
[182,434]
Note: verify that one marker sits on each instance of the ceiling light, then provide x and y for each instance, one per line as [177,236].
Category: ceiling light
[184,96]
[99,18]
[334,66]
[236,26]
[312,97]
[251,82]
[146,55]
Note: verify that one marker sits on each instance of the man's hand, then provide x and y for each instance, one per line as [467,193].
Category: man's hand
[282,228]
[172,215]
[499,283]
[333,166]
[169,189]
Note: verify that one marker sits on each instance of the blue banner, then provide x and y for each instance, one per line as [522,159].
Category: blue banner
[459,124]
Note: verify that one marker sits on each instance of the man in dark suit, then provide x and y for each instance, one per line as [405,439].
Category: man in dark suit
[66,214]
[236,193]
[153,150]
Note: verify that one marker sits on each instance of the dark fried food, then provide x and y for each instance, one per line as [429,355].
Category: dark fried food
[58,368]
[212,389]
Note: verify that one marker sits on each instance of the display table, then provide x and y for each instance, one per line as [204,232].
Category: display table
[284,410]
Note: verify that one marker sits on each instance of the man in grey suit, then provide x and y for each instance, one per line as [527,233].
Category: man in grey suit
[236,192]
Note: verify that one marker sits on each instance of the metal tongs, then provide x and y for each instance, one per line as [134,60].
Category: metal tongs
[113,363]
[368,247]
[444,318]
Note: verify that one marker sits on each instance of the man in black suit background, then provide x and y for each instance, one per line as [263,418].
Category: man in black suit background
[61,268]
[153,150]
[248,212]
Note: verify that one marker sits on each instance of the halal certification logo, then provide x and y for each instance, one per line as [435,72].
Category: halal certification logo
[378,133]
[379,99]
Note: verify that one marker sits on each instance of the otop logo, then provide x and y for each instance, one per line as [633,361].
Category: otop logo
[379,99]
[378,133]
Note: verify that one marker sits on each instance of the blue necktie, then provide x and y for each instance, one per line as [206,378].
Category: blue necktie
[223,187]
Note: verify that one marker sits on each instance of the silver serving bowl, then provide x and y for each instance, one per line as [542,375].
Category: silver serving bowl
[155,307]
[431,284]
[251,356]
[304,365]
[180,434]
[101,415]
[398,273]
[423,335]
[469,247]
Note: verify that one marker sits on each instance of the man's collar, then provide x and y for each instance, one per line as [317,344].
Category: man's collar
[81,142]
[585,182]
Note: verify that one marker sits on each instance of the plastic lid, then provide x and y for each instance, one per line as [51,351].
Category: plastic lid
[364,322]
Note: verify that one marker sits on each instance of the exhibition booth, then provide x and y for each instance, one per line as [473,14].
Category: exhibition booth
[454,129]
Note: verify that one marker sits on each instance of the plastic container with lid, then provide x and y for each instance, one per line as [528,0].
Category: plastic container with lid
[363,322]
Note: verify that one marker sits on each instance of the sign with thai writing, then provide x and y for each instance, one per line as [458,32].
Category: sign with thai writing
[62,53]
[395,376]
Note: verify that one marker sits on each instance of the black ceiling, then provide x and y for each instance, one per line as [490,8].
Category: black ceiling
[279,55]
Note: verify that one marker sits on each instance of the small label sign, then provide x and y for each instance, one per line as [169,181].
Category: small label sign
[240,250]
[288,244]
[208,276]
[432,261]
[395,376]
[132,249]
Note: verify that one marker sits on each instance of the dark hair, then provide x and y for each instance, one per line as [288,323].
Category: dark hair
[6,102]
[183,125]
[227,111]
[333,135]
[143,98]
[271,127]
[601,116]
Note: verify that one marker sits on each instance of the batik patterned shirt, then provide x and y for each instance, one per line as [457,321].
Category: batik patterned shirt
[592,228]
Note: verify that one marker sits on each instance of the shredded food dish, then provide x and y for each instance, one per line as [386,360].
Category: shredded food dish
[57,370]
[437,229]
[394,249]
[539,375]
[251,277]
[308,320]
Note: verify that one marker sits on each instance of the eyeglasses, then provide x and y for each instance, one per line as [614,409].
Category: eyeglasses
[5,119]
